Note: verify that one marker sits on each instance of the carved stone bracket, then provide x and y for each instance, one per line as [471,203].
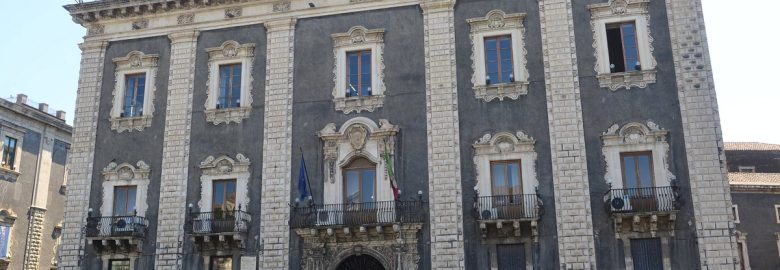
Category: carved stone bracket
[651,223]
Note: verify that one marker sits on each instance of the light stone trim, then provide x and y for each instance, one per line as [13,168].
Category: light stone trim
[82,151]
[616,11]
[358,137]
[444,170]
[356,39]
[742,239]
[567,137]
[505,146]
[636,137]
[230,52]
[498,23]
[277,138]
[135,62]
[125,174]
[176,146]
[13,173]
[224,168]
[34,239]
[710,195]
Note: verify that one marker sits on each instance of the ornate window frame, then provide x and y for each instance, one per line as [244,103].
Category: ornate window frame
[636,137]
[125,174]
[505,146]
[498,23]
[223,168]
[11,175]
[135,62]
[616,11]
[7,218]
[742,239]
[359,38]
[735,210]
[358,137]
[230,52]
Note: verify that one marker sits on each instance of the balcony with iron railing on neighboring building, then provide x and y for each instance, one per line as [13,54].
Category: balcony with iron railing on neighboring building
[647,209]
[116,234]
[219,228]
[504,213]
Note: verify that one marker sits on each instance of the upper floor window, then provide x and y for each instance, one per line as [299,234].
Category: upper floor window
[229,89]
[9,153]
[134,87]
[360,181]
[134,95]
[359,73]
[124,200]
[5,240]
[622,44]
[506,178]
[229,86]
[125,189]
[637,169]
[119,264]
[499,56]
[735,213]
[224,197]
[747,169]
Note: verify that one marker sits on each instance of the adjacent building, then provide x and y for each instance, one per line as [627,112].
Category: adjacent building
[34,150]
[754,174]
[436,134]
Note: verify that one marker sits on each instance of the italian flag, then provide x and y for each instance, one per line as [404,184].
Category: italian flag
[390,174]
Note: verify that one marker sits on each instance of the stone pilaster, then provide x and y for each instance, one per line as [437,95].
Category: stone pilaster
[277,141]
[32,253]
[81,157]
[702,133]
[444,183]
[567,137]
[176,148]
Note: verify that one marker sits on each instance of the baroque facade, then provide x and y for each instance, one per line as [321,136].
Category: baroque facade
[34,149]
[436,134]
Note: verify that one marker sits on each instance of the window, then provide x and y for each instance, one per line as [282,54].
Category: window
[506,178]
[747,169]
[510,257]
[777,213]
[358,73]
[134,95]
[359,181]
[229,89]
[122,264]
[498,60]
[124,200]
[740,247]
[622,43]
[133,103]
[9,153]
[5,240]
[224,198]
[229,86]
[735,213]
[636,156]
[622,46]
[637,169]
[221,263]
[646,253]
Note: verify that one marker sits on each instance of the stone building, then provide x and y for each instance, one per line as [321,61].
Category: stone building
[437,134]
[33,151]
[754,174]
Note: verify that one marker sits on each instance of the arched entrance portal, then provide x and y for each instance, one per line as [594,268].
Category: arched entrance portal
[360,262]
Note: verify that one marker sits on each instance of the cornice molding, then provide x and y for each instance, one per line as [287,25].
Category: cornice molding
[185,36]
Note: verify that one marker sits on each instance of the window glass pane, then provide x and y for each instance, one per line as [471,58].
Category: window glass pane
[230,195]
[368,186]
[219,195]
[629,172]
[139,95]
[514,178]
[120,201]
[499,179]
[615,48]
[130,209]
[353,187]
[221,263]
[352,62]
[630,46]
[645,171]
[5,235]
[365,73]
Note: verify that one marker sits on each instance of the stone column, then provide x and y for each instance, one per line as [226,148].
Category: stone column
[702,133]
[277,145]
[567,137]
[81,158]
[444,183]
[40,198]
[176,150]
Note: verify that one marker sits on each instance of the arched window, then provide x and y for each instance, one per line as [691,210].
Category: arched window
[360,181]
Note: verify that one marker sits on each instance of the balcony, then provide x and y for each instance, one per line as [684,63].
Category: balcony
[354,219]
[219,229]
[116,234]
[643,209]
[522,210]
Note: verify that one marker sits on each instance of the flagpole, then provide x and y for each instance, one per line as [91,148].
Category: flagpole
[306,175]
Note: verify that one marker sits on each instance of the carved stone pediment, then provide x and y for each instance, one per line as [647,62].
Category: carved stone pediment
[504,142]
[225,165]
[357,133]
[126,171]
[358,35]
[633,133]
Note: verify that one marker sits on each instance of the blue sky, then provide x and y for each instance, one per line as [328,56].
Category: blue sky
[40,57]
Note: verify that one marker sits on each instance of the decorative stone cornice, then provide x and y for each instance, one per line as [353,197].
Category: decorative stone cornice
[618,7]
[504,142]
[187,36]
[633,133]
[224,165]
[280,24]
[126,171]
[94,11]
[7,217]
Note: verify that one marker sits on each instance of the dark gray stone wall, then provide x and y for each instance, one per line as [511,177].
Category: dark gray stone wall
[528,113]
[246,137]
[758,220]
[764,161]
[404,105]
[603,108]
[133,146]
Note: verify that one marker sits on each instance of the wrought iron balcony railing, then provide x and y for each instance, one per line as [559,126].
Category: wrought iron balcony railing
[358,214]
[235,221]
[502,207]
[117,226]
[639,200]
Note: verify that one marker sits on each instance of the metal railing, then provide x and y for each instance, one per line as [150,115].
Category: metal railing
[520,206]
[636,200]
[235,221]
[358,214]
[117,226]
